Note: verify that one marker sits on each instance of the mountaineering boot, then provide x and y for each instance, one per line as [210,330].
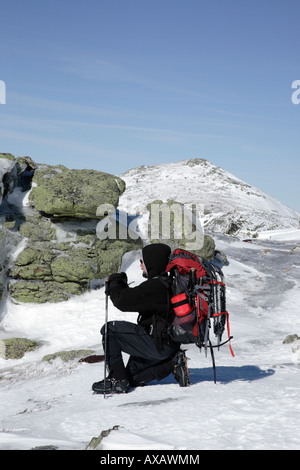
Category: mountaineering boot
[181,371]
[111,385]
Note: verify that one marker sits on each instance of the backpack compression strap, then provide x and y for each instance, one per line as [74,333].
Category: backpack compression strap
[228,330]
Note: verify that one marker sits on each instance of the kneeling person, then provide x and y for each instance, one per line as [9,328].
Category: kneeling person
[152,353]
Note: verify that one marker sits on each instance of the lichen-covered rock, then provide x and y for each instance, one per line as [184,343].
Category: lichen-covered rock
[61,192]
[96,441]
[8,242]
[66,356]
[46,447]
[64,268]
[169,224]
[15,348]
[62,254]
[33,263]
[42,292]
[290,339]
[54,271]
[37,228]
[7,156]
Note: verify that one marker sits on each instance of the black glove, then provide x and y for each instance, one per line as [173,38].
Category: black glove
[116,280]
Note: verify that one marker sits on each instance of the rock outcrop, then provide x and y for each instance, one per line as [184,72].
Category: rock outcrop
[62,193]
[51,249]
[15,348]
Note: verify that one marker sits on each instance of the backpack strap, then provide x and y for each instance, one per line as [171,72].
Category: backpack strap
[160,323]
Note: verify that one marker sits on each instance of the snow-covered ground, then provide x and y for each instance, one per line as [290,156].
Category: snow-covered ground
[254,405]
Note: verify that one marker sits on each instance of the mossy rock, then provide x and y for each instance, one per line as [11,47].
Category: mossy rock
[96,441]
[15,348]
[290,339]
[165,231]
[63,254]
[66,356]
[207,251]
[67,269]
[33,263]
[42,292]
[45,272]
[65,193]
[38,228]
[7,156]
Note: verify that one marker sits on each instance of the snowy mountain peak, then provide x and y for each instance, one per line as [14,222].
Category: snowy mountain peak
[230,205]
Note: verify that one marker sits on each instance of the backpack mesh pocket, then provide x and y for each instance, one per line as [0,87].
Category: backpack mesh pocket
[181,329]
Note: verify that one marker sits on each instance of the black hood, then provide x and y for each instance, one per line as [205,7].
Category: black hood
[156,258]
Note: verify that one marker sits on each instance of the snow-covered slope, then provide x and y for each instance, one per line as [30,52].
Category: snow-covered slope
[230,205]
[255,403]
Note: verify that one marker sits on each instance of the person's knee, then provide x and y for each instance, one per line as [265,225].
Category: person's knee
[102,330]
[105,327]
[111,327]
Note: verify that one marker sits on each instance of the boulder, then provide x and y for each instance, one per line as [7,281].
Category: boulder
[168,224]
[15,348]
[60,252]
[290,339]
[63,193]
[53,271]
[15,172]
[43,291]
[67,356]
[95,442]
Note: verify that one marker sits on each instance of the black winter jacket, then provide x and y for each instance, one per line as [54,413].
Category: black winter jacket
[151,299]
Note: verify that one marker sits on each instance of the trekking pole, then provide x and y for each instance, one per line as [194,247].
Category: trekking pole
[193,284]
[105,334]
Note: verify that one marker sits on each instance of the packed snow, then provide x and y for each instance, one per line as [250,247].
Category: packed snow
[255,403]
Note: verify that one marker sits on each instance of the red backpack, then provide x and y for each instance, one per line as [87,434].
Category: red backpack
[198,301]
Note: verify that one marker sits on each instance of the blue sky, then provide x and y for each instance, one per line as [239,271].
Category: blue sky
[114,84]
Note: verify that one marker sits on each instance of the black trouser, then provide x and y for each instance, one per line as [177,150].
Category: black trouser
[146,363]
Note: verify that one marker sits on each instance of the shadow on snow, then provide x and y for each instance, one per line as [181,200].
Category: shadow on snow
[225,375]
[230,374]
